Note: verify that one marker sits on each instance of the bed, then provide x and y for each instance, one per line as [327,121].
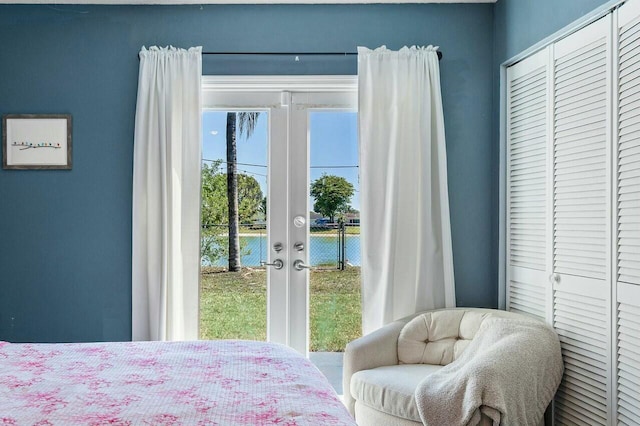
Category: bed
[164,383]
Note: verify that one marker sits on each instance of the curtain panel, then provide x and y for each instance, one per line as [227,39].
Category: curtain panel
[407,261]
[166,195]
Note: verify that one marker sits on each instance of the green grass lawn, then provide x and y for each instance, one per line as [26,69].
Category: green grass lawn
[233,306]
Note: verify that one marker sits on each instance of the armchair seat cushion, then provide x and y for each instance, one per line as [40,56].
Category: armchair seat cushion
[390,389]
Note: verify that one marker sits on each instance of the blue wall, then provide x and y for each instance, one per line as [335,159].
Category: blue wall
[65,236]
[519,24]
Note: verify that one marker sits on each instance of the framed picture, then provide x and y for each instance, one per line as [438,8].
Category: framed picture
[36,141]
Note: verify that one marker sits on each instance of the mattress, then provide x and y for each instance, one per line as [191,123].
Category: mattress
[164,383]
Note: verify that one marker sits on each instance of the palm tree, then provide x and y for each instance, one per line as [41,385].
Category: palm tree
[244,122]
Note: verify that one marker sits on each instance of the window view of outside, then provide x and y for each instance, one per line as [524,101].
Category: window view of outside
[334,231]
[233,283]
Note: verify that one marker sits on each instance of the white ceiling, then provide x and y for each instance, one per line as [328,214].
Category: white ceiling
[235,1]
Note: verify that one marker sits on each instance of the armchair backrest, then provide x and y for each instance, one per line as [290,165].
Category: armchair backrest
[439,337]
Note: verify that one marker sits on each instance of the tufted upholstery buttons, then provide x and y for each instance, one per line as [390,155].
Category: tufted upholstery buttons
[438,337]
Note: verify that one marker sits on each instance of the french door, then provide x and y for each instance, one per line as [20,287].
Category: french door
[286,106]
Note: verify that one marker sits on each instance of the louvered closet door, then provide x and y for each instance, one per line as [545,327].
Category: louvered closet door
[527,109]
[628,216]
[581,257]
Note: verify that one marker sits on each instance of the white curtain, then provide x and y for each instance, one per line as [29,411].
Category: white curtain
[407,261]
[166,195]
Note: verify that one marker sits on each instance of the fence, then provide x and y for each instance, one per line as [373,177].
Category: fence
[330,246]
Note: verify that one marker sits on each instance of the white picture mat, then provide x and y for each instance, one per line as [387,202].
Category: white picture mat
[35,131]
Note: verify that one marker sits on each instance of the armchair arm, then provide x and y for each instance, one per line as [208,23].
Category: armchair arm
[376,349]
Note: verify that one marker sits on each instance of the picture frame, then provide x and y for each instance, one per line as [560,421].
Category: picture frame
[36,141]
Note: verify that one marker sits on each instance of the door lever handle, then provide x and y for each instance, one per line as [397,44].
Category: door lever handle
[277,264]
[299,265]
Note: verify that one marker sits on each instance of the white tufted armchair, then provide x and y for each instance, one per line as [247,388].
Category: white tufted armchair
[383,370]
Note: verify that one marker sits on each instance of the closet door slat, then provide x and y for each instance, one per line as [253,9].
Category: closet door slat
[581,163]
[527,139]
[527,172]
[581,214]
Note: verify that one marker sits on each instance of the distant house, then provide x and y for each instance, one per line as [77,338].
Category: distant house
[352,218]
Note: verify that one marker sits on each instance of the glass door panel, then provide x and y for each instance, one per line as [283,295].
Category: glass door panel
[334,239]
[323,167]
[252,301]
[233,299]
[334,230]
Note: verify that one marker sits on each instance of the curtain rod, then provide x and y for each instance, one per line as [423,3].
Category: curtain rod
[294,53]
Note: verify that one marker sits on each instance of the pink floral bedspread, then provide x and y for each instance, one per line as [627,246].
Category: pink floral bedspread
[163,383]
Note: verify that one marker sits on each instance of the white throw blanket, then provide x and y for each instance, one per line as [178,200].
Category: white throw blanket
[509,372]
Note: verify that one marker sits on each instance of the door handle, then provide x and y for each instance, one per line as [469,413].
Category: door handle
[299,265]
[277,264]
[554,278]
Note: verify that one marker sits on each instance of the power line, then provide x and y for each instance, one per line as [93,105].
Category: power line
[237,163]
[248,172]
[252,173]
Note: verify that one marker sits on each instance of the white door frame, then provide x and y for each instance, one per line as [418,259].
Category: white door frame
[287,99]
